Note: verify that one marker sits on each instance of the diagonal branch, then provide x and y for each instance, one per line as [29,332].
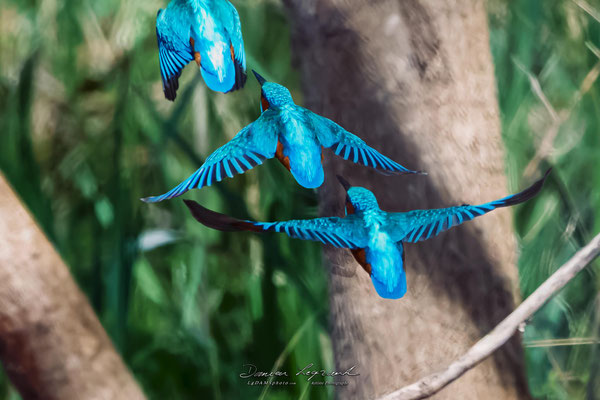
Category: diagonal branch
[503,331]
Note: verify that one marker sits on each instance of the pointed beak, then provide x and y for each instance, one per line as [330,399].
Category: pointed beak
[259,78]
[344,183]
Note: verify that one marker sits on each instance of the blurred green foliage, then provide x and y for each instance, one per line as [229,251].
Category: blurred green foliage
[86,132]
[547,65]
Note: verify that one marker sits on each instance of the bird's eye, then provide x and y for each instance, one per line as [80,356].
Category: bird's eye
[264,104]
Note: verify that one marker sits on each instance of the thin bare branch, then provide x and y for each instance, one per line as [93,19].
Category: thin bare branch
[588,9]
[536,88]
[593,48]
[503,331]
[561,342]
[546,147]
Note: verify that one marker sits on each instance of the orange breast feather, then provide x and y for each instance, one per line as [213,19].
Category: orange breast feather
[279,155]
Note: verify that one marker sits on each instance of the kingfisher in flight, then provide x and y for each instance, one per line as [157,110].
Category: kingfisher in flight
[375,237]
[207,32]
[292,134]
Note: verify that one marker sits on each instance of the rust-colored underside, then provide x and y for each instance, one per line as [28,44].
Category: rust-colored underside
[360,255]
[279,155]
[196,54]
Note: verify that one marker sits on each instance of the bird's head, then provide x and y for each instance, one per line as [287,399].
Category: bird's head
[358,198]
[272,95]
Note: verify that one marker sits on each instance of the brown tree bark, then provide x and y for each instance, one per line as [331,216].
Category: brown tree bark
[415,79]
[52,346]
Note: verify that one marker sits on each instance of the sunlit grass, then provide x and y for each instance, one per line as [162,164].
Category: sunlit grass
[547,74]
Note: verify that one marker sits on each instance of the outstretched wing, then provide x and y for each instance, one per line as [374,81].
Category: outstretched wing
[174,50]
[249,148]
[353,148]
[420,225]
[339,232]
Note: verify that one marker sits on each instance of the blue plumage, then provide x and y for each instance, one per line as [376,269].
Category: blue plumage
[375,237]
[207,31]
[293,135]
[388,276]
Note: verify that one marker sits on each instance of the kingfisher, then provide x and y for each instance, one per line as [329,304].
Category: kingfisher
[374,237]
[207,32]
[292,134]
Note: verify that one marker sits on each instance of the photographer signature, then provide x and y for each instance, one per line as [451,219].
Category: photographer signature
[253,372]
[310,374]
[308,371]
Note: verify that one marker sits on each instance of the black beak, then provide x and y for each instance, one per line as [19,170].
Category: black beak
[344,183]
[259,78]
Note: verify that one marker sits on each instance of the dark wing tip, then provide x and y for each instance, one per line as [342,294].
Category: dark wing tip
[170,87]
[240,76]
[217,220]
[528,193]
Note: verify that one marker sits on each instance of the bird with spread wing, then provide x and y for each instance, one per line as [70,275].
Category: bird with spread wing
[292,134]
[375,237]
[207,32]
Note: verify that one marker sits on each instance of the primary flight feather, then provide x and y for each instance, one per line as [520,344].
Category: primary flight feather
[293,135]
[375,237]
[205,31]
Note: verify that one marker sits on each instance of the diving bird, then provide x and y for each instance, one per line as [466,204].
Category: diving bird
[375,237]
[205,31]
[292,134]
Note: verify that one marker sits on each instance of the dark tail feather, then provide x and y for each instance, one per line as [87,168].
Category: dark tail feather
[219,221]
[525,195]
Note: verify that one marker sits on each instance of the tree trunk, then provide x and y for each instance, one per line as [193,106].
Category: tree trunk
[52,346]
[414,79]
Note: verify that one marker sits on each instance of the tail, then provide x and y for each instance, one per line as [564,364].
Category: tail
[306,166]
[219,221]
[383,290]
[309,178]
[387,271]
[222,83]
[223,73]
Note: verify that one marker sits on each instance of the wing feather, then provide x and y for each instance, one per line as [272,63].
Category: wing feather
[417,225]
[174,53]
[351,147]
[345,232]
[249,148]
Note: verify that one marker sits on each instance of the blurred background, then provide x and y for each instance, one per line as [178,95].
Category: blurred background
[85,132]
